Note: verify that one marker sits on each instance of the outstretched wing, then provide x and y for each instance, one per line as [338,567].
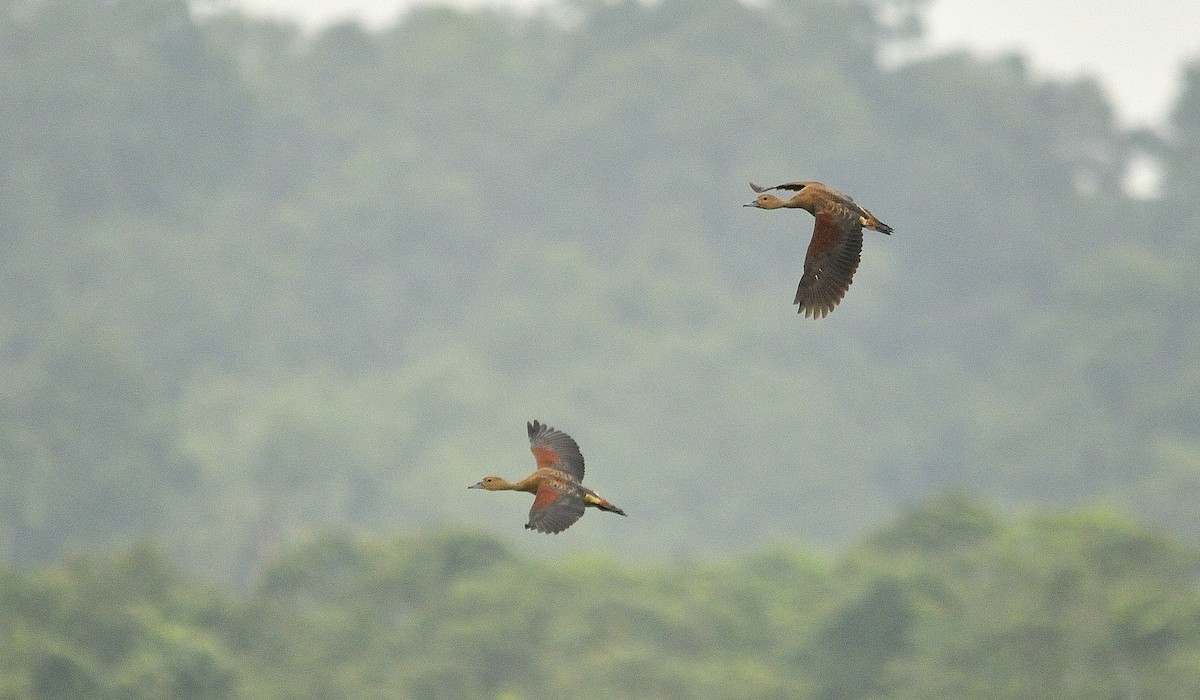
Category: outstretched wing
[554,509]
[554,449]
[829,266]
[795,185]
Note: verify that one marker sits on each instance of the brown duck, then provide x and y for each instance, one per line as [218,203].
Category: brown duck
[558,496]
[836,245]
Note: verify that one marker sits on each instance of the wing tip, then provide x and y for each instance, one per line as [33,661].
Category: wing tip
[810,311]
[543,530]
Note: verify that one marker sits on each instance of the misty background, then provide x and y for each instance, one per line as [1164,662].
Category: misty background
[266,289]
[1132,49]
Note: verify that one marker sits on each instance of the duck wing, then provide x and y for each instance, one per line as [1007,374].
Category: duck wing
[795,185]
[556,506]
[554,449]
[829,266]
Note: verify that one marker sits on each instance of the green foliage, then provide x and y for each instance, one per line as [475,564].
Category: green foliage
[950,600]
[112,106]
[1184,158]
[254,281]
[86,453]
[128,627]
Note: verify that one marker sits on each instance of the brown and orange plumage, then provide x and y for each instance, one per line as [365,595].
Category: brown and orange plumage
[836,245]
[559,497]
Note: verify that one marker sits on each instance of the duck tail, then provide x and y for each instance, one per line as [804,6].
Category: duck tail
[591,499]
[869,221]
[605,505]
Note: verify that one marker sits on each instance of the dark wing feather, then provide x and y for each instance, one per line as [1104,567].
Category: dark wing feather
[555,508]
[795,185]
[829,266]
[554,449]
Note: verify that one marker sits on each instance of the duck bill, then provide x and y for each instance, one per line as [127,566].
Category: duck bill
[752,204]
[476,486]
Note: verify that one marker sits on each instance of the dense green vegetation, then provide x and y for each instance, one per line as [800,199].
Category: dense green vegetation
[949,601]
[268,299]
[254,282]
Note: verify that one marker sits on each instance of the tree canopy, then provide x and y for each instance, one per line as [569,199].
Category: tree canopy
[949,600]
[255,281]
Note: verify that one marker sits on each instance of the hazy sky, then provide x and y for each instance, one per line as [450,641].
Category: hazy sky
[1135,47]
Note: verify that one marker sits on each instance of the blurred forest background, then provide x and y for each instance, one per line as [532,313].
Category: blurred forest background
[269,298]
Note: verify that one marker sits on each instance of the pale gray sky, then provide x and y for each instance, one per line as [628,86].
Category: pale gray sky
[1134,47]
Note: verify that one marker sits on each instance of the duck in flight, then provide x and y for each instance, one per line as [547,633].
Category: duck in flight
[836,245]
[558,496]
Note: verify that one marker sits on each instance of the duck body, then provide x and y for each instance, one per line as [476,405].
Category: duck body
[836,246]
[559,496]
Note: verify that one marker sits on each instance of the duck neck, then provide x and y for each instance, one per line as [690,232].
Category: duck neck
[529,483]
[801,201]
